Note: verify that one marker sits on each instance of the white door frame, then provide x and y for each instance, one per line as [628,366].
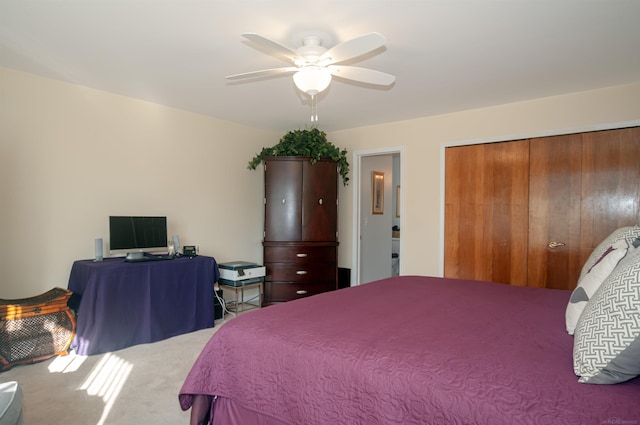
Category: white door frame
[355,220]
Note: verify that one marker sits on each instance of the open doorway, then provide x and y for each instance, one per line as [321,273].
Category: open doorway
[376,214]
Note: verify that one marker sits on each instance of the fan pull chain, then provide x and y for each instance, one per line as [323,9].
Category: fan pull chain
[314,108]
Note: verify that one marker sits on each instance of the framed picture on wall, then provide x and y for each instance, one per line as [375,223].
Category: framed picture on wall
[377,193]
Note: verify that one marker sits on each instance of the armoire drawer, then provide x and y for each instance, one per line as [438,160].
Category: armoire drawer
[287,291]
[303,272]
[290,254]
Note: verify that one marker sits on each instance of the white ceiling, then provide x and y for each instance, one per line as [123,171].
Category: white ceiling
[447,55]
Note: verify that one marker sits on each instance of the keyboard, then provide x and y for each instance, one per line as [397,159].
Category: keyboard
[149,257]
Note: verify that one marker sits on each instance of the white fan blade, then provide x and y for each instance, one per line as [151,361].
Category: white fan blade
[362,75]
[353,48]
[271,47]
[262,73]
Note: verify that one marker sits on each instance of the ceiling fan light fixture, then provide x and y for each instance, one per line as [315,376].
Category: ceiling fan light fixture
[312,79]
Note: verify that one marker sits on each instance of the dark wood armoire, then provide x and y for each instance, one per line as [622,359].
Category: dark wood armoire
[300,227]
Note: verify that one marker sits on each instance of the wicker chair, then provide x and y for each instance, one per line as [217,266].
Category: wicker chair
[36,328]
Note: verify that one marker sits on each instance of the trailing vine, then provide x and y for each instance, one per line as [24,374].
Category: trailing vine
[310,143]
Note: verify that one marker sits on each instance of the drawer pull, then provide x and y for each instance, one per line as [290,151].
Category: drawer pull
[301,272]
[301,292]
[301,255]
[284,200]
[320,201]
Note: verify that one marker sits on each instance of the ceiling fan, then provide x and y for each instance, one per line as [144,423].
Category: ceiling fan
[314,65]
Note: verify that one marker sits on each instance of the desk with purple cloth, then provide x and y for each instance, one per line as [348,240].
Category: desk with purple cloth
[123,304]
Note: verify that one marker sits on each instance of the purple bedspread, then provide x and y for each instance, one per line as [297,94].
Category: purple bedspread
[407,350]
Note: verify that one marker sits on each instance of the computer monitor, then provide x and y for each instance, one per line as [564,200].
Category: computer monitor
[135,235]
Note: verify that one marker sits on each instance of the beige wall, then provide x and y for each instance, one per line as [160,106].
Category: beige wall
[423,141]
[71,156]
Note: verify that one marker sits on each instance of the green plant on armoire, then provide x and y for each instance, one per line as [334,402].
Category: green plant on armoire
[310,143]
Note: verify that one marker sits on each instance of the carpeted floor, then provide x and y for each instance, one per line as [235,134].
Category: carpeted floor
[136,385]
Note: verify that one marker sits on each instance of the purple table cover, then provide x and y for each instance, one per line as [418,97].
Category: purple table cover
[405,350]
[124,304]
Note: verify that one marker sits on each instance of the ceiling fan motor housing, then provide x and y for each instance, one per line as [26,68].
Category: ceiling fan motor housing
[311,50]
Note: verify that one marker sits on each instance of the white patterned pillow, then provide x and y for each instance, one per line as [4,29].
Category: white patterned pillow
[630,233]
[606,347]
[591,281]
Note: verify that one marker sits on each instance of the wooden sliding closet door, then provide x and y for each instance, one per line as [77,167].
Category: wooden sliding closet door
[580,187]
[610,185]
[555,183]
[486,212]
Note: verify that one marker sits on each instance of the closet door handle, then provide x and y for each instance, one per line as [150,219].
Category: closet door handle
[554,244]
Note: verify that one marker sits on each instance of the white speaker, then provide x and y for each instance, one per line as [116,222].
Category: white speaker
[98,249]
[176,244]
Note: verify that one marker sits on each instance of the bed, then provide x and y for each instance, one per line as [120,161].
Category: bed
[403,350]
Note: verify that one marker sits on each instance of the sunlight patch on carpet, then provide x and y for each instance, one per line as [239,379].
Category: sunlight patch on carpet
[106,381]
[66,364]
